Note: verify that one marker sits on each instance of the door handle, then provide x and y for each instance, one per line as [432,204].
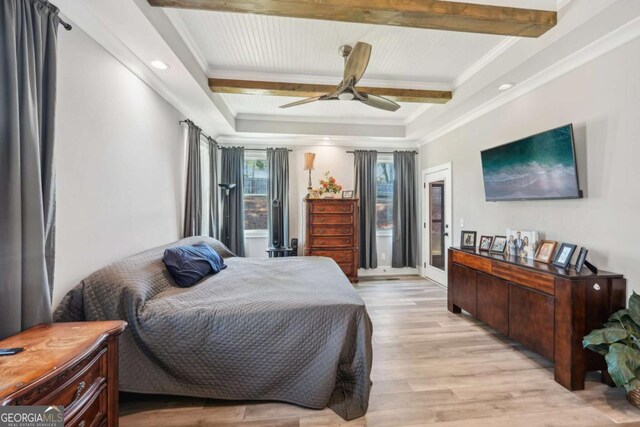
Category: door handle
[445,234]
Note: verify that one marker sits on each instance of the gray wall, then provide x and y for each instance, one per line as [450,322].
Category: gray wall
[602,100]
[120,161]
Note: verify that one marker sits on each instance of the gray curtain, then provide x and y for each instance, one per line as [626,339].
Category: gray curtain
[405,210]
[28,55]
[232,230]
[193,205]
[278,163]
[214,191]
[365,190]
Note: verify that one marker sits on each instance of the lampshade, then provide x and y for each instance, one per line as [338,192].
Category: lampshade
[308,161]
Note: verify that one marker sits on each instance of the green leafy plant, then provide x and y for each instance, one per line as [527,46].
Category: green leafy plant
[619,343]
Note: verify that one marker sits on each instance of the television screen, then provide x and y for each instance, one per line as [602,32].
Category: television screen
[541,166]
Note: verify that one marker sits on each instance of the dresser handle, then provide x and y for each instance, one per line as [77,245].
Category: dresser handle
[81,387]
[81,423]
[596,287]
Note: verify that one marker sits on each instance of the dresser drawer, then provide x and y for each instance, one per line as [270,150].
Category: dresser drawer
[335,241]
[335,207]
[531,279]
[347,269]
[93,412]
[331,230]
[335,219]
[91,375]
[338,256]
[472,261]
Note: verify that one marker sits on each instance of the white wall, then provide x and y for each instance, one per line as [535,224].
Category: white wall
[602,100]
[340,164]
[120,163]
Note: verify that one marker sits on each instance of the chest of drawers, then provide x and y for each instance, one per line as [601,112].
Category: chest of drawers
[74,365]
[332,231]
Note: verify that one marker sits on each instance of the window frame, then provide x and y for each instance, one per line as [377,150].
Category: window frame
[260,233]
[384,158]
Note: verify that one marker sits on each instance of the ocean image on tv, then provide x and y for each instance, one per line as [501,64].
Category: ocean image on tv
[537,167]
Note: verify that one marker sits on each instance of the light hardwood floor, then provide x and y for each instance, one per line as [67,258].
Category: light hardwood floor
[430,367]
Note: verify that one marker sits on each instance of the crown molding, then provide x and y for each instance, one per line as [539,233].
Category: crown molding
[587,53]
[305,141]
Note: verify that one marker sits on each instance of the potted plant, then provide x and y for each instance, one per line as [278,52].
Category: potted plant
[619,343]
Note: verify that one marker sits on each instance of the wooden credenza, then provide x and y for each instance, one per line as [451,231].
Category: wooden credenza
[332,231]
[545,308]
[74,365]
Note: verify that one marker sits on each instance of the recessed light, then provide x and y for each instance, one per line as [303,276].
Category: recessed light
[327,138]
[159,65]
[506,86]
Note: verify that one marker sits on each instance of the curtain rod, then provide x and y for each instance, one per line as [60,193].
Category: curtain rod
[201,133]
[253,149]
[65,24]
[385,152]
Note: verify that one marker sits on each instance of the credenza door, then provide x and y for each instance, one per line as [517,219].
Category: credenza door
[493,302]
[464,288]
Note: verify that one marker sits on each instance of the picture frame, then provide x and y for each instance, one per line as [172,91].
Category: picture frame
[468,240]
[498,245]
[347,194]
[582,257]
[485,243]
[564,255]
[546,251]
[522,243]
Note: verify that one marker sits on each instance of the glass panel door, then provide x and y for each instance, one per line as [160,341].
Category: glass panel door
[436,224]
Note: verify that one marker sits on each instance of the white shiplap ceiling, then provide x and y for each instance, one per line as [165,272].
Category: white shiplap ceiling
[256,47]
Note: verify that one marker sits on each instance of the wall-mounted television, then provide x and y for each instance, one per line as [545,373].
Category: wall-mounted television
[538,167]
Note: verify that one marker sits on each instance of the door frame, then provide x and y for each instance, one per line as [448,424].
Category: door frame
[447,170]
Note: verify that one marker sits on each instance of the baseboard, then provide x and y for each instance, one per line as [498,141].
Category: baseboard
[387,270]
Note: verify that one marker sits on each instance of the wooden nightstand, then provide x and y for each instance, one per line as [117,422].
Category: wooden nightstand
[74,365]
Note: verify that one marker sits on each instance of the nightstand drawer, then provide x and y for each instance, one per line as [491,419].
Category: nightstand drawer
[94,410]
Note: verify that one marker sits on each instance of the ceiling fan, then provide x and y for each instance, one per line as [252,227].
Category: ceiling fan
[355,64]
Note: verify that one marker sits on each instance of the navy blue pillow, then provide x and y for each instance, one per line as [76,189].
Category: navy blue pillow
[189,264]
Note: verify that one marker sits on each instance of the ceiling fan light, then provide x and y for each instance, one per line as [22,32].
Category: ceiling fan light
[346,96]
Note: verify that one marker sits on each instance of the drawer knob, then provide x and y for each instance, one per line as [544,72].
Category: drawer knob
[81,423]
[596,287]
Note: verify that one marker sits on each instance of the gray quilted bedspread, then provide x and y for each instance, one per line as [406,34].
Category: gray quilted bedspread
[285,329]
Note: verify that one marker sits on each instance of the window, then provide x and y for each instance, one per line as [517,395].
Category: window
[256,179]
[384,195]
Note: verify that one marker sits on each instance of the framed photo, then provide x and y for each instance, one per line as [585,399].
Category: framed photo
[563,257]
[314,194]
[347,194]
[499,245]
[582,257]
[545,251]
[521,243]
[468,240]
[485,243]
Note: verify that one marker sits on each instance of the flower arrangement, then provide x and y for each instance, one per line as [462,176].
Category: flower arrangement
[328,185]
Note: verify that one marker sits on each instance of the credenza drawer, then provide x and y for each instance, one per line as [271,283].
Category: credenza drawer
[335,207]
[336,219]
[531,279]
[332,230]
[334,241]
[472,261]
[340,257]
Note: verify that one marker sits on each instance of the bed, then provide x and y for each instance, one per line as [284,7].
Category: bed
[284,329]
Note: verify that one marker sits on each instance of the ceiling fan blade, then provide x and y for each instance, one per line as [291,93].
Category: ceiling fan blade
[357,62]
[302,102]
[378,102]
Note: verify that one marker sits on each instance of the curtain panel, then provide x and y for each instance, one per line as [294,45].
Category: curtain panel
[214,214]
[405,210]
[193,201]
[365,190]
[28,58]
[232,230]
[278,196]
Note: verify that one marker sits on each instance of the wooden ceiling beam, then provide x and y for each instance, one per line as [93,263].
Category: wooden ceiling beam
[304,90]
[430,14]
